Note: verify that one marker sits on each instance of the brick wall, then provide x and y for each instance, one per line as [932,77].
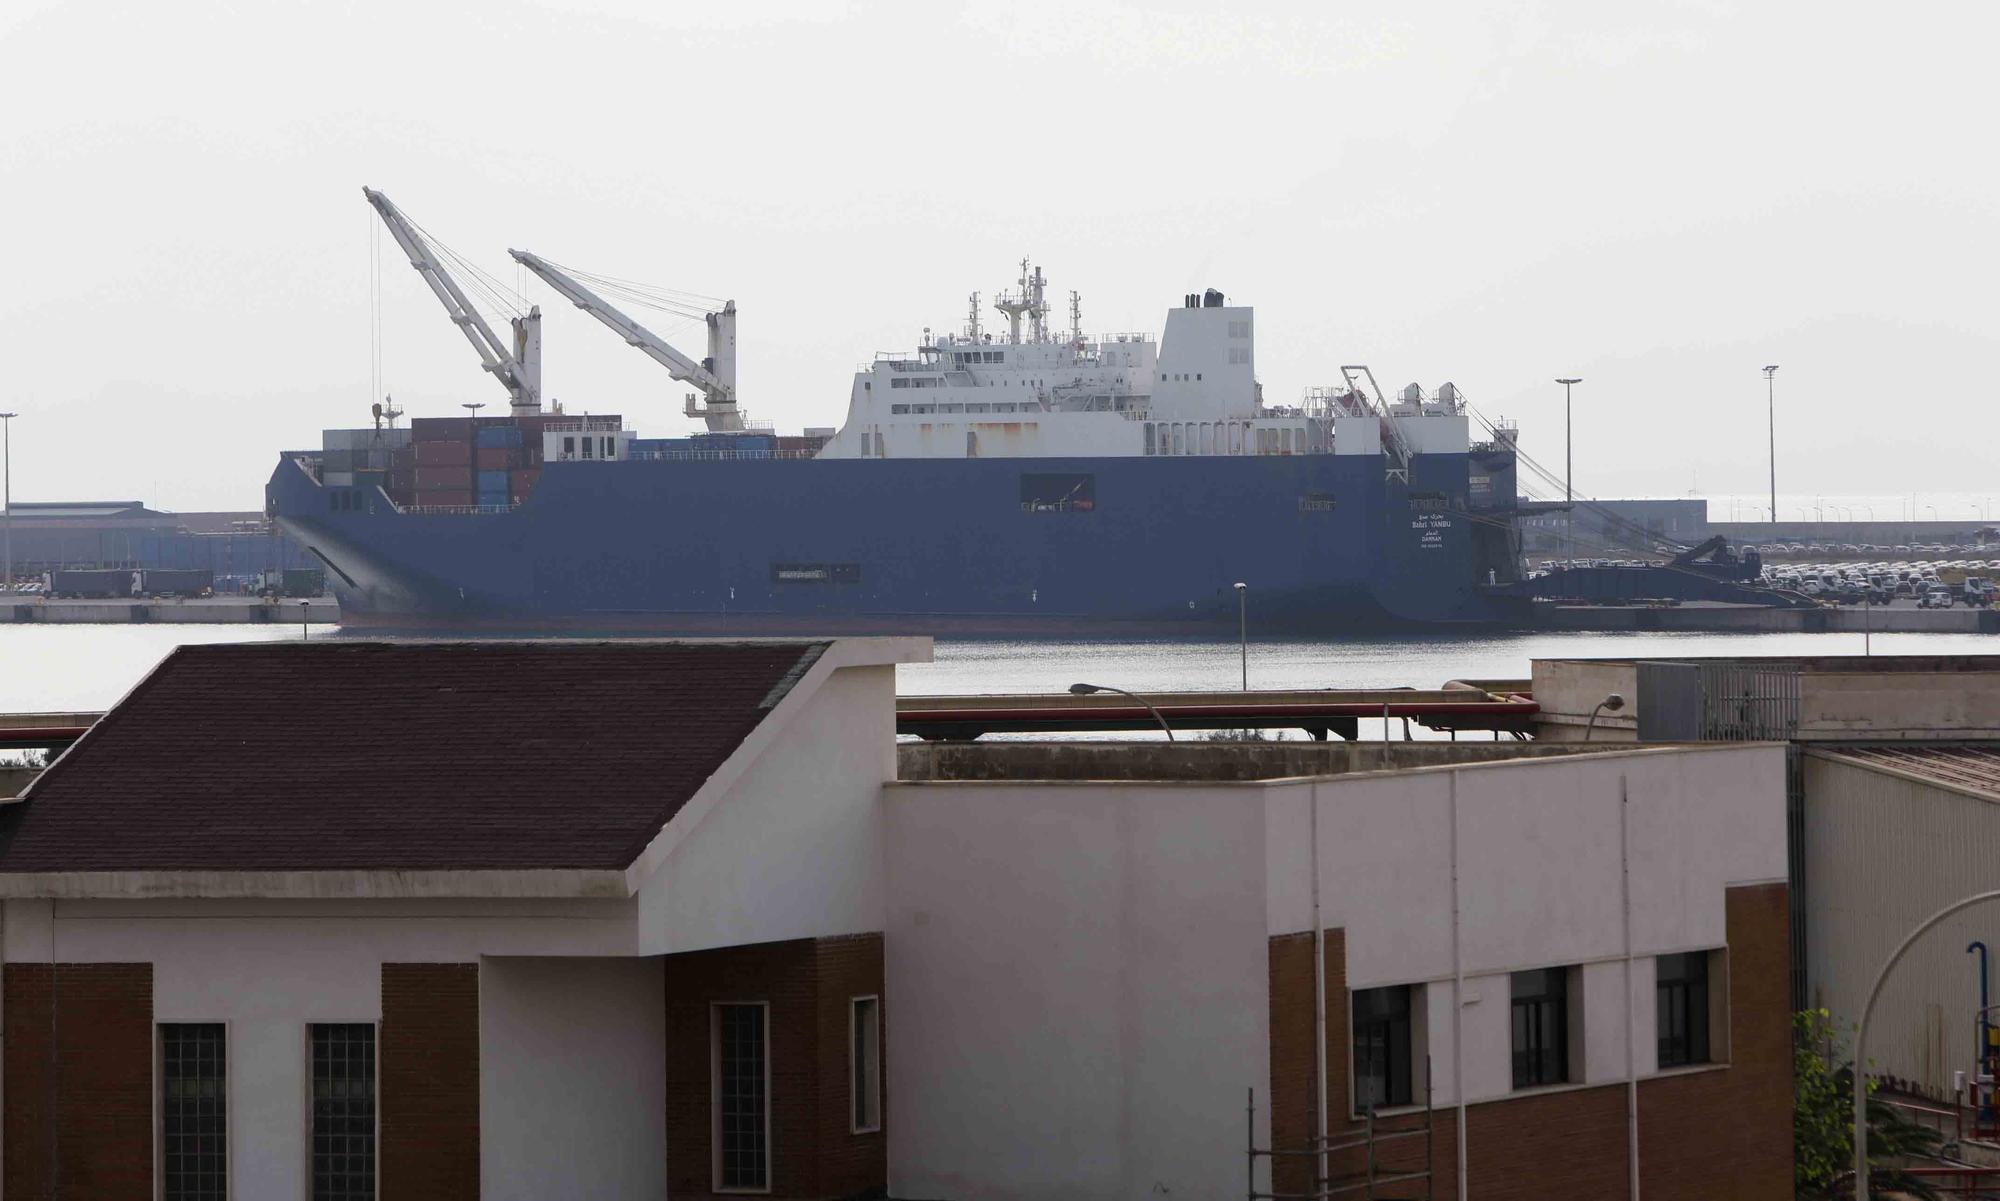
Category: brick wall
[1717,1134]
[806,983]
[79,1081]
[428,1069]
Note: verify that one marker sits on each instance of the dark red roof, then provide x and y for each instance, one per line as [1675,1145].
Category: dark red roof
[332,755]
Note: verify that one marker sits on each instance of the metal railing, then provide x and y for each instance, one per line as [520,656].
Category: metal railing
[1370,1176]
[431,510]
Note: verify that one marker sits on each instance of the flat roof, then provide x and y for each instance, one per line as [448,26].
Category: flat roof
[1971,769]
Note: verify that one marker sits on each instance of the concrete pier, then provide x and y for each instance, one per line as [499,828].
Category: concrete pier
[208,610]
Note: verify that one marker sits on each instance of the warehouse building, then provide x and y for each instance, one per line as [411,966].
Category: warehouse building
[545,919]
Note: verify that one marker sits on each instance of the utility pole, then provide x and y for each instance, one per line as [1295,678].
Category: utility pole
[1243,628]
[1771,399]
[7,488]
[1569,463]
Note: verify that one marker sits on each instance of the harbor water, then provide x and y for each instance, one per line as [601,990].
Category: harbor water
[56,668]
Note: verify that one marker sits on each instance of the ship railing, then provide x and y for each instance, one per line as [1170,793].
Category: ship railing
[577,425]
[723,454]
[428,510]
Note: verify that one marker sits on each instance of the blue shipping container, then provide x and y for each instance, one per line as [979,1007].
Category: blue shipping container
[500,437]
[493,481]
[493,500]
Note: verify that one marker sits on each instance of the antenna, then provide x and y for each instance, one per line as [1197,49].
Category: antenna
[1076,319]
[972,318]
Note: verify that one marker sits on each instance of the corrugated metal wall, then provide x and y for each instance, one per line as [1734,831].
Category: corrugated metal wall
[1884,853]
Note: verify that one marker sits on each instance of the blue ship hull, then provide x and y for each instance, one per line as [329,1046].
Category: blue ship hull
[962,546]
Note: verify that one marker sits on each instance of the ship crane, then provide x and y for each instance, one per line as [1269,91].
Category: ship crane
[715,375]
[519,367]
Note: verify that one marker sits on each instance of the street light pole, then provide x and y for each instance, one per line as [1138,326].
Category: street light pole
[1771,399]
[1569,465]
[1243,628]
[7,488]
[1087,689]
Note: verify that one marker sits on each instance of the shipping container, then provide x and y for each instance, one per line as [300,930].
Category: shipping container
[433,478]
[500,437]
[493,500]
[498,458]
[441,429]
[172,581]
[492,481]
[304,581]
[336,460]
[443,496]
[98,583]
[444,454]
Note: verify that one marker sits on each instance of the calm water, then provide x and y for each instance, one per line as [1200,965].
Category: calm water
[48,668]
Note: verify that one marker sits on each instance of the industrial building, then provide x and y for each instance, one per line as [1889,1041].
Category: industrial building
[56,534]
[692,922]
[1894,800]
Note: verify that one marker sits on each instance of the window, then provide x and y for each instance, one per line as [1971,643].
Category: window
[194,1114]
[865,1076]
[742,1101]
[1239,356]
[1541,1027]
[1239,329]
[1381,1047]
[1681,991]
[587,442]
[1149,437]
[569,447]
[343,1111]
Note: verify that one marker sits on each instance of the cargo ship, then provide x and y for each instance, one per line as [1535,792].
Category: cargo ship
[1026,480]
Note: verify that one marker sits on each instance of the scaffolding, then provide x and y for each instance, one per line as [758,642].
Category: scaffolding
[1321,1149]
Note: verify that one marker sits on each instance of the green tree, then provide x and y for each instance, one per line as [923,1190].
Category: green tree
[1823,1122]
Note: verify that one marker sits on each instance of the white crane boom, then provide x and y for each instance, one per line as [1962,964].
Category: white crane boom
[715,376]
[519,368]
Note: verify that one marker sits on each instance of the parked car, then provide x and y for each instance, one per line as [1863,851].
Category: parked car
[1936,598]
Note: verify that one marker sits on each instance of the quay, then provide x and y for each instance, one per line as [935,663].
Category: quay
[206,610]
[1695,616]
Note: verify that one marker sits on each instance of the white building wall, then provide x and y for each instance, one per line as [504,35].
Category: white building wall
[1882,853]
[1539,881]
[572,1078]
[792,848]
[1077,983]
[268,969]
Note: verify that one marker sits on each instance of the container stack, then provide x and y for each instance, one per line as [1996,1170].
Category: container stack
[360,458]
[443,460]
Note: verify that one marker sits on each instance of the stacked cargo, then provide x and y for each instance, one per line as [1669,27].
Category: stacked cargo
[359,458]
[443,460]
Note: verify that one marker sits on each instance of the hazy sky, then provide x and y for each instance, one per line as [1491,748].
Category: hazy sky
[1658,198]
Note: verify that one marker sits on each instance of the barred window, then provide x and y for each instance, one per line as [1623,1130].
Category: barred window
[194,1113]
[343,1110]
[1541,1027]
[742,1099]
[1681,991]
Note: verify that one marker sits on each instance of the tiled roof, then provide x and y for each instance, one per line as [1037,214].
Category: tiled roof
[361,756]
[1973,768]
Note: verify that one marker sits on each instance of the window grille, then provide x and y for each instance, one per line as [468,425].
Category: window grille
[1681,992]
[1541,1027]
[194,1113]
[343,1111]
[1381,1018]
[742,1110]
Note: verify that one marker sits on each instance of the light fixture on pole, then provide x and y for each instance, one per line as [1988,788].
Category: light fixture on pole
[1771,399]
[7,496]
[1569,464]
[1243,628]
[1612,703]
[1087,689]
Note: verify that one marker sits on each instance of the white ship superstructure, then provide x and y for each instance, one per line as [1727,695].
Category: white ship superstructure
[1030,392]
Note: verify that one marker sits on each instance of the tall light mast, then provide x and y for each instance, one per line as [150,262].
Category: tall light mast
[715,375]
[518,367]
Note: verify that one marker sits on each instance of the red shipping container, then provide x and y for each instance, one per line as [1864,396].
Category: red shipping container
[429,478]
[445,496]
[441,429]
[498,458]
[444,454]
[523,481]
